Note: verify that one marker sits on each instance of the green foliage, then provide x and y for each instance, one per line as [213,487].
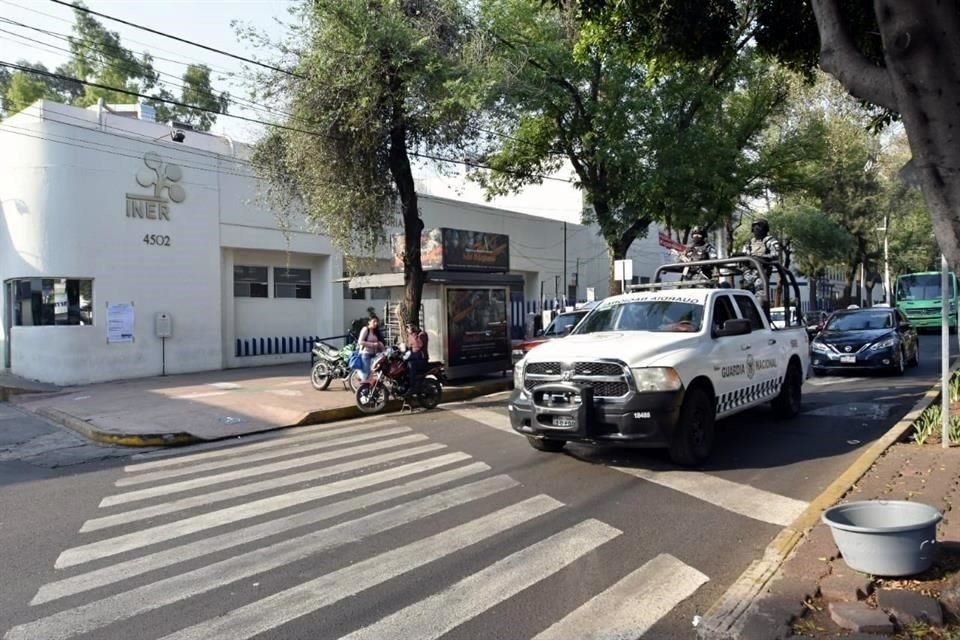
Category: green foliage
[816,241]
[930,421]
[97,56]
[649,139]
[378,81]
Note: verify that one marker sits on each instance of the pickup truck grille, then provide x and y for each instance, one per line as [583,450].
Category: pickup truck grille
[608,379]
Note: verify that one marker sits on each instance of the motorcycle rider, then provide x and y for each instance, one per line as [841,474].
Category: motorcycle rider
[370,344]
[761,245]
[416,355]
[699,250]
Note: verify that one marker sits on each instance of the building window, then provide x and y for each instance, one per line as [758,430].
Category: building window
[250,282]
[353,294]
[52,301]
[291,283]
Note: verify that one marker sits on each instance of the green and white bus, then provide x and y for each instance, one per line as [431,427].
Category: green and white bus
[919,298]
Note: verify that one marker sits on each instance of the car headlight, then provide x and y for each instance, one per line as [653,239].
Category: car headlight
[518,374]
[650,379]
[886,343]
[517,353]
[819,347]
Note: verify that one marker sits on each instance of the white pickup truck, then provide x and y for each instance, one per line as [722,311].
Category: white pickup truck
[656,368]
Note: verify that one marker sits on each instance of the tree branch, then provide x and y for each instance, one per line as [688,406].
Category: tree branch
[840,58]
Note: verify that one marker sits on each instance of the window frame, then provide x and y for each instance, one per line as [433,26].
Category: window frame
[45,314]
[302,290]
[755,322]
[265,282]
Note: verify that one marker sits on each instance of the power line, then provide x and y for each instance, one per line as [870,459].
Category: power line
[284,127]
[153,46]
[179,39]
[241,101]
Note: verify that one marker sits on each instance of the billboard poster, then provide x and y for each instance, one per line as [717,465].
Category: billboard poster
[431,250]
[476,326]
[458,250]
[475,251]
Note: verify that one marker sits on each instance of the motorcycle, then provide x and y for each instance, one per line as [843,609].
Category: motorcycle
[332,363]
[390,377]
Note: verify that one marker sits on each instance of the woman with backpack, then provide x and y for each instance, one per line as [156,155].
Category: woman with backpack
[370,344]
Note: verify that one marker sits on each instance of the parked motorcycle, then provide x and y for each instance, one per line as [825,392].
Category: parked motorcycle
[390,377]
[332,363]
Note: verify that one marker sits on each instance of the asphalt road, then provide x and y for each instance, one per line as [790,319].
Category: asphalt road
[441,523]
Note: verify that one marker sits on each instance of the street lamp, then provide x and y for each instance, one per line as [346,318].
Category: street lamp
[886,261]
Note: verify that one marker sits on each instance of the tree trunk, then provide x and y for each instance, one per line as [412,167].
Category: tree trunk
[812,286]
[921,82]
[413,277]
[616,251]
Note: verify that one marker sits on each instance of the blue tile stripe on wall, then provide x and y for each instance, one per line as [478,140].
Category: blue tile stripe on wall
[265,346]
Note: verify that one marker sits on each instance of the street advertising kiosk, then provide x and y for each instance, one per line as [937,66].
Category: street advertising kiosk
[466,299]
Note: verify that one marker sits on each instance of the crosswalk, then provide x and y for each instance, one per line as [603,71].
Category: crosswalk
[283,511]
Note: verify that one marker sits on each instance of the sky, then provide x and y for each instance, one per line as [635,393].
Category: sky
[209,22]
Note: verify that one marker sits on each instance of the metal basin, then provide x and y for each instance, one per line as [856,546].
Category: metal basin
[885,537]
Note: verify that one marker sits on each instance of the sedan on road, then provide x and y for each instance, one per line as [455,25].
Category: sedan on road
[866,339]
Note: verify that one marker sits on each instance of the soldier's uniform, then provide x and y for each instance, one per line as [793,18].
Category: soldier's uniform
[762,245]
[699,250]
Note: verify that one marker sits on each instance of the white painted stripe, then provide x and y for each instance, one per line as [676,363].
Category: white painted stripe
[293,383]
[201,394]
[739,498]
[245,444]
[144,564]
[431,618]
[246,458]
[488,417]
[633,605]
[823,382]
[240,491]
[280,608]
[94,615]
[170,531]
[290,463]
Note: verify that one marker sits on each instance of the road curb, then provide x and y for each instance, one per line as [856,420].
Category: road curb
[134,440]
[725,619]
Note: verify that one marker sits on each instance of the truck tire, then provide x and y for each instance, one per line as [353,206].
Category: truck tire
[787,403]
[543,444]
[692,438]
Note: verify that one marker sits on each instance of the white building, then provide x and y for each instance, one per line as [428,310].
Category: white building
[107,223]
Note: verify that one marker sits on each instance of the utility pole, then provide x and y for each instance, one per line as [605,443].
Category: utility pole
[564,261]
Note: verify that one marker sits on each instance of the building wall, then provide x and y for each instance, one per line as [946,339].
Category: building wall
[64,209]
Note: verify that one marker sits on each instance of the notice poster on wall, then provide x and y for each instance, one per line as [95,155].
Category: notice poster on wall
[477,326]
[120,319]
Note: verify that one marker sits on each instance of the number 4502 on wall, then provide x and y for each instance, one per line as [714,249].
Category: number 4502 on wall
[160,241]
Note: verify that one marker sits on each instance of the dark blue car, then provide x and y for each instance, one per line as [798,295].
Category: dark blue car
[879,339]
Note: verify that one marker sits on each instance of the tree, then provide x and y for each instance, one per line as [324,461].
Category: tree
[815,240]
[648,141]
[23,88]
[97,56]
[375,82]
[903,58]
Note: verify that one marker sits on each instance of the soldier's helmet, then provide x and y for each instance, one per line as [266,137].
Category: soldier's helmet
[696,231]
[762,223]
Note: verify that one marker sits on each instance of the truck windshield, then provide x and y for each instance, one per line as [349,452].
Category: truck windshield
[644,315]
[921,286]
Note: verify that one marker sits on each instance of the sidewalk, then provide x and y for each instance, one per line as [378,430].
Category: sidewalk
[813,593]
[196,407]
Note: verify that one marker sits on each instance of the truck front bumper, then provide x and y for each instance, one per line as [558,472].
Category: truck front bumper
[568,411]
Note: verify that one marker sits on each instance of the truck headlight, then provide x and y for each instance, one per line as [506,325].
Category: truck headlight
[518,375]
[650,379]
[883,344]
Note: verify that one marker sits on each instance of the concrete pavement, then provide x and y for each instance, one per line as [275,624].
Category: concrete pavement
[196,407]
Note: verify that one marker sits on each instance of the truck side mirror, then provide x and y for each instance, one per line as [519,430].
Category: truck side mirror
[735,327]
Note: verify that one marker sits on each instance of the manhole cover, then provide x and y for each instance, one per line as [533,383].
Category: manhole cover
[866,410]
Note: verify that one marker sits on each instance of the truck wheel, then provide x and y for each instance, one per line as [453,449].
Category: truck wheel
[692,438]
[787,402]
[542,444]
